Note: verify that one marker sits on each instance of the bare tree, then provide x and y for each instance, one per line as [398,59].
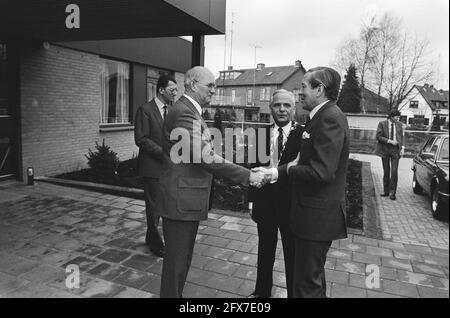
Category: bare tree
[388,60]
[360,51]
[408,65]
[387,39]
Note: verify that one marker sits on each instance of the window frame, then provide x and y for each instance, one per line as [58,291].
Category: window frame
[415,103]
[126,120]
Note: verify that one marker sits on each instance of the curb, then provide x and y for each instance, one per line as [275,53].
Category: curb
[97,187]
[371,218]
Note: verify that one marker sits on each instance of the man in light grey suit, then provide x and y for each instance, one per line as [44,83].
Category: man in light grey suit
[185,186]
[147,132]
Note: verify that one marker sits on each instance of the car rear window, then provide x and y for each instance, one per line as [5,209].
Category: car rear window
[443,154]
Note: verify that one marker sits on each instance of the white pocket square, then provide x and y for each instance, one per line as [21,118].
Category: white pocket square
[305,135]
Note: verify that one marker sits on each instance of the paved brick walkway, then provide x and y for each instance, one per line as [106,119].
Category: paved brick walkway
[407,219]
[44,228]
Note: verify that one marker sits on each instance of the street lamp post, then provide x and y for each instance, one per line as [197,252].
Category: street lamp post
[256,46]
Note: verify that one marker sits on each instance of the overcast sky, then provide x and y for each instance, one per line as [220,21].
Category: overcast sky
[310,31]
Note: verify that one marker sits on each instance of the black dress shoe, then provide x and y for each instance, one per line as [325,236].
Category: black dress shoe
[393,197]
[158,251]
[384,195]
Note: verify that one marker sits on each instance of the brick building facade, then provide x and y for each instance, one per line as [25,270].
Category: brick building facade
[62,89]
[247,92]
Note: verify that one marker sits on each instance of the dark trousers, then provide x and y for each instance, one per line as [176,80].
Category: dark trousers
[309,268]
[152,237]
[179,237]
[390,172]
[267,244]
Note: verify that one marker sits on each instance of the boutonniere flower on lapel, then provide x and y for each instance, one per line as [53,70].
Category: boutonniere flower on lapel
[305,135]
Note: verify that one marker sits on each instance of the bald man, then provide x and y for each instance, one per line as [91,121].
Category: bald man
[185,180]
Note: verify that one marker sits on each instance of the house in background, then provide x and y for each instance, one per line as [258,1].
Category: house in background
[372,103]
[374,108]
[425,106]
[62,89]
[246,93]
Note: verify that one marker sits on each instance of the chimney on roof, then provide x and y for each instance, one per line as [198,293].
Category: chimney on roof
[230,68]
[431,86]
[260,66]
[298,63]
[426,85]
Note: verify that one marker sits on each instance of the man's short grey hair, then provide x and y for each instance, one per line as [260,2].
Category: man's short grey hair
[193,75]
[283,91]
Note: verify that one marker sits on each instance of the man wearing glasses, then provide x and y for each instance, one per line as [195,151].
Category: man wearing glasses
[148,130]
[185,185]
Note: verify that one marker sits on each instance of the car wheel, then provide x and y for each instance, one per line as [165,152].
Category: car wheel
[437,208]
[417,189]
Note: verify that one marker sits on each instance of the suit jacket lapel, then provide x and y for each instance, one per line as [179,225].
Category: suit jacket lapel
[156,112]
[204,126]
[317,115]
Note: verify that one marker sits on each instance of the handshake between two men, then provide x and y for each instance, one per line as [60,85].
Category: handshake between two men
[260,176]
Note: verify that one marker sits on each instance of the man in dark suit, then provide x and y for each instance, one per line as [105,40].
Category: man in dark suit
[185,184]
[390,148]
[270,205]
[147,132]
[318,178]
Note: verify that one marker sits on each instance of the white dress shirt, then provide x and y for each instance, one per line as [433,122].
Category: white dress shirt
[160,105]
[394,134]
[274,148]
[316,109]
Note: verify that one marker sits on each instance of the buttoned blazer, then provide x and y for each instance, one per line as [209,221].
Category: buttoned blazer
[189,165]
[271,203]
[319,179]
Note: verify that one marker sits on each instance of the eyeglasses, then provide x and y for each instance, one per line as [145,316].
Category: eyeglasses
[210,85]
[172,90]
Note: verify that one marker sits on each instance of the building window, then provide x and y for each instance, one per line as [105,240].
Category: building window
[264,118]
[403,119]
[115,97]
[249,96]
[233,96]
[262,94]
[414,104]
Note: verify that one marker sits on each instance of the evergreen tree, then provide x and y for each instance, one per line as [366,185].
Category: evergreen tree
[350,96]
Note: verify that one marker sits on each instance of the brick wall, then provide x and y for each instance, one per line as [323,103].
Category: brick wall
[60,100]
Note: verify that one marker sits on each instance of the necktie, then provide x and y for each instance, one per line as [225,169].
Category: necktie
[165,111]
[392,131]
[280,142]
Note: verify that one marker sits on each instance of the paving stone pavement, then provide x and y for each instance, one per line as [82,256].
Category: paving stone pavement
[44,228]
[407,219]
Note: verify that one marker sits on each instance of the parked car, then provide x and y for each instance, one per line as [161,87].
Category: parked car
[430,168]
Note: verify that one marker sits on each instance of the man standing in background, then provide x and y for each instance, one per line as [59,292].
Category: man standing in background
[147,132]
[390,148]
